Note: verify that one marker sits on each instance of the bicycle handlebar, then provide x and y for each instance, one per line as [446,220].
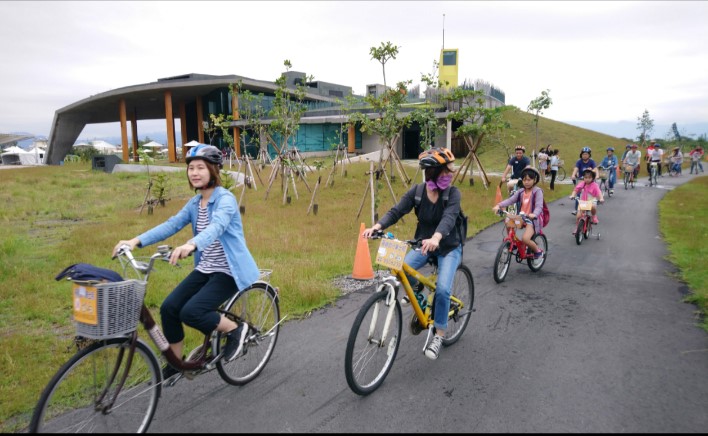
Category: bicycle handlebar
[124,251]
[380,234]
[524,217]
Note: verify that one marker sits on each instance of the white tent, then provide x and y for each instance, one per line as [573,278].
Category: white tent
[19,156]
[104,147]
[14,149]
[152,144]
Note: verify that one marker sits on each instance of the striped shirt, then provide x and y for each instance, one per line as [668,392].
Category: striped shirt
[213,258]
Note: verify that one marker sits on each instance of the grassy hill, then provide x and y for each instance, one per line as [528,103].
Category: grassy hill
[568,139]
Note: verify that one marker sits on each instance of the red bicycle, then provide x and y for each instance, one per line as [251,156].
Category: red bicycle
[513,247]
[583,221]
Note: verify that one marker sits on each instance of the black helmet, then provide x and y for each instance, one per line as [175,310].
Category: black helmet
[589,171]
[435,157]
[205,152]
[531,172]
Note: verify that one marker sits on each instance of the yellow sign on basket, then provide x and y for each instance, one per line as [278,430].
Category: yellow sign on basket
[85,304]
[391,253]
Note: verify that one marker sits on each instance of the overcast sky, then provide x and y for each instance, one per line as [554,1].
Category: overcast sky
[602,61]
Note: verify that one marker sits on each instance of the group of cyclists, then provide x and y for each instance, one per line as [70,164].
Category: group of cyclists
[223,264]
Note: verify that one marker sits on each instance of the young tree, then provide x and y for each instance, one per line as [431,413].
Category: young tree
[383,53]
[478,121]
[645,125]
[537,105]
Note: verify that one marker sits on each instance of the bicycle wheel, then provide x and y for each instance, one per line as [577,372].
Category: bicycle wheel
[72,402]
[536,264]
[502,262]
[560,175]
[463,290]
[368,358]
[259,307]
[580,232]
[626,180]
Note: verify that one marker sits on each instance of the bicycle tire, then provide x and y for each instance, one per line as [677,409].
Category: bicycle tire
[560,175]
[535,265]
[462,289]
[68,403]
[502,262]
[367,362]
[626,180]
[580,231]
[259,307]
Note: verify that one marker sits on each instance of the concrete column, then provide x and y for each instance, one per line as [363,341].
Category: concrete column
[448,138]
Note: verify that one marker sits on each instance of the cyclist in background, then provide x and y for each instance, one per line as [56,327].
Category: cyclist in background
[626,150]
[676,160]
[610,164]
[589,190]
[515,165]
[529,177]
[696,155]
[654,157]
[584,163]
[437,228]
[222,261]
[633,158]
[555,160]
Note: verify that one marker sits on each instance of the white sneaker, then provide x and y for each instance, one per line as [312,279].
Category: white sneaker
[433,349]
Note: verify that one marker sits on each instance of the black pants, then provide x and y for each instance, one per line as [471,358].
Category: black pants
[194,301]
[553,178]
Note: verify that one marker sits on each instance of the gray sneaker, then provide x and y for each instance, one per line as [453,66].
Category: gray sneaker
[433,349]
[234,341]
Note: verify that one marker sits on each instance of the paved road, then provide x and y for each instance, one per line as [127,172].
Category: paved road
[598,341]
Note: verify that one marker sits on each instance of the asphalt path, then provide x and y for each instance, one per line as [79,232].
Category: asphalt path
[597,341]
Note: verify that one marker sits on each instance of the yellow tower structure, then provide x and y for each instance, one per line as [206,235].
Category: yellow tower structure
[448,67]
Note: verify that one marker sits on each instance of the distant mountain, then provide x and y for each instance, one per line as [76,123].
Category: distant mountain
[628,129]
[160,137]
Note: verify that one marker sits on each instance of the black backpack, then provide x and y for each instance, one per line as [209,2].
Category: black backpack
[460,223]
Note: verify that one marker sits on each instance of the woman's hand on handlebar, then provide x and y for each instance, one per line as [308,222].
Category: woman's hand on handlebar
[181,252]
[131,243]
[371,230]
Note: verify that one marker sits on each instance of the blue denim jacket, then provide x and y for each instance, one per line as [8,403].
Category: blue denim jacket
[224,224]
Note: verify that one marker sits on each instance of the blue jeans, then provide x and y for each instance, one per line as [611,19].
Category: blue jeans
[612,177]
[447,265]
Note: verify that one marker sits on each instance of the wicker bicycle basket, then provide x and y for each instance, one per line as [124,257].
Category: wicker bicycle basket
[513,221]
[629,168]
[107,310]
[603,174]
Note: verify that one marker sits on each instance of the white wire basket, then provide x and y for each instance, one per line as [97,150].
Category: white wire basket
[107,310]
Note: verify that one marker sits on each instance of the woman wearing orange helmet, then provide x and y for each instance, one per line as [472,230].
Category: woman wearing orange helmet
[437,228]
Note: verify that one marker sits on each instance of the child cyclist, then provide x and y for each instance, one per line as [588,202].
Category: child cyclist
[529,178]
[609,163]
[589,190]
[222,261]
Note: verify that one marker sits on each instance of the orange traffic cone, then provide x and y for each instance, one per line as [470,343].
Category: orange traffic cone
[362,260]
[498,197]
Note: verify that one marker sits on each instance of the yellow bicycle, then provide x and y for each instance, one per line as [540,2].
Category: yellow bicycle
[376,332]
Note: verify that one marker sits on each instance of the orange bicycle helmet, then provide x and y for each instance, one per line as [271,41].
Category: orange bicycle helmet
[435,157]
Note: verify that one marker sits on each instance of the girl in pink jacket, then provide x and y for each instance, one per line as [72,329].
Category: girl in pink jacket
[589,190]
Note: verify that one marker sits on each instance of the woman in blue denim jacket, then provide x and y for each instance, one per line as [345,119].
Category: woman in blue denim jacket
[222,261]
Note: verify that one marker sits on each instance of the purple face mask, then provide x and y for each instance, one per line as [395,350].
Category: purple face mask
[442,183]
